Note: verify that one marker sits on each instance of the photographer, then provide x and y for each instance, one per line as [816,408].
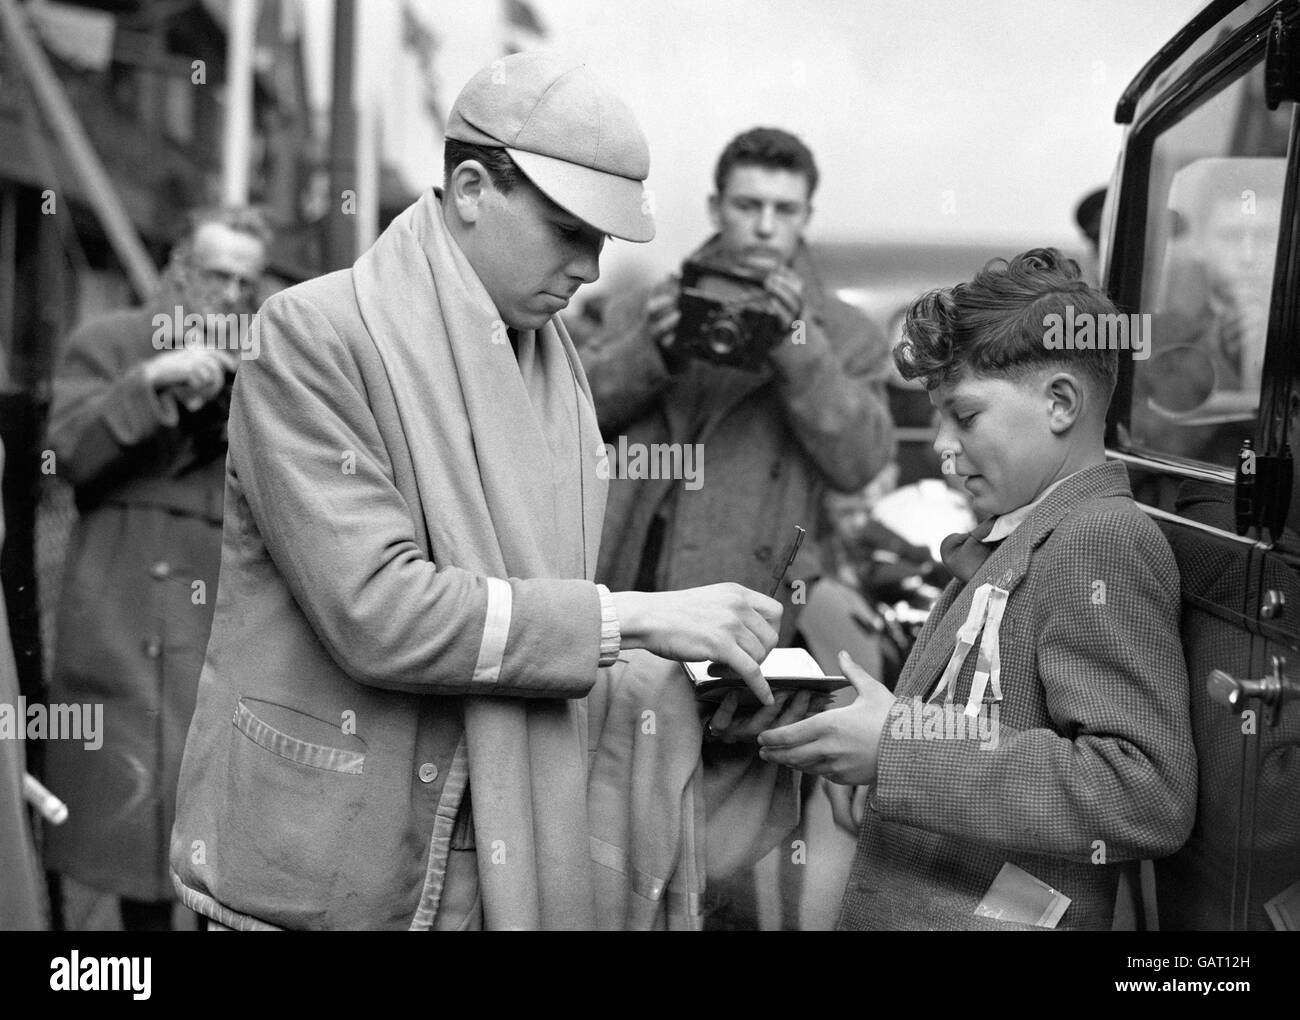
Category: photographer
[137,426]
[805,414]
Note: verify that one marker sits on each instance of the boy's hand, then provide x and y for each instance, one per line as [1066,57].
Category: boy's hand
[848,805]
[788,707]
[843,744]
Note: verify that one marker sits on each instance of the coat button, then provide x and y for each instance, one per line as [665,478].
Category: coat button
[763,553]
[153,648]
[428,772]
[160,570]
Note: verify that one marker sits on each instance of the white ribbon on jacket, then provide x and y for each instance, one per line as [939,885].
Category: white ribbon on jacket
[987,607]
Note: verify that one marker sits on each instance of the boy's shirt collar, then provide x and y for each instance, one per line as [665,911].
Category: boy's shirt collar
[1005,524]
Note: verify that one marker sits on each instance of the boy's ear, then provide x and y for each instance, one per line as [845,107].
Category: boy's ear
[1066,394]
[715,211]
[468,185]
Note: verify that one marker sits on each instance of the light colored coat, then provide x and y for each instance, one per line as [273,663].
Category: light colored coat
[327,640]
[407,629]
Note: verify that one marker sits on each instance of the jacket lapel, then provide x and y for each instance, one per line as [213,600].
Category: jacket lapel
[1005,569]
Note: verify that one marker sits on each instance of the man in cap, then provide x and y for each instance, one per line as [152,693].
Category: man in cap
[392,723]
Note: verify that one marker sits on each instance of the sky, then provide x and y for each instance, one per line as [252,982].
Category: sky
[931,120]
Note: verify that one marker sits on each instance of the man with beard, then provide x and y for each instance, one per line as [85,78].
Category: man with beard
[137,426]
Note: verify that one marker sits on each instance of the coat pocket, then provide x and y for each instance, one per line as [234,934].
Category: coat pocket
[294,841]
[317,756]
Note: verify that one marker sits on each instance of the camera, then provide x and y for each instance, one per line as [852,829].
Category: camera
[206,427]
[726,316]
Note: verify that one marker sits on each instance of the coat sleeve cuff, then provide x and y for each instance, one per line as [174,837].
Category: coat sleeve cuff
[611,637]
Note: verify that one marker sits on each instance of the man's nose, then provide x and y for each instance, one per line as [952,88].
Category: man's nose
[232,291]
[586,264]
[766,224]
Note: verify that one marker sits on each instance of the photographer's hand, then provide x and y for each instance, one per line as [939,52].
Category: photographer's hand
[194,374]
[727,623]
[662,316]
[786,287]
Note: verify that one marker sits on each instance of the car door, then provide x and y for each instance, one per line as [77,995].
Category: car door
[1202,246]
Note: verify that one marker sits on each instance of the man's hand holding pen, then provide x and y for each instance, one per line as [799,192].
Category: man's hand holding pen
[726,623]
[787,707]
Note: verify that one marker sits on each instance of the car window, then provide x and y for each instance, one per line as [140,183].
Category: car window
[1213,213]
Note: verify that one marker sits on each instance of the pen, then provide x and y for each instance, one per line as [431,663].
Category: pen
[789,558]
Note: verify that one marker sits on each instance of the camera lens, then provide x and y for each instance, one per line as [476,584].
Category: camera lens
[723,336]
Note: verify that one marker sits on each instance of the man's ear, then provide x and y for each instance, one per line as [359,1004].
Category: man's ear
[1067,396]
[466,189]
[715,211]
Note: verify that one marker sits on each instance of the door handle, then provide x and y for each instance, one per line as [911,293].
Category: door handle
[1273,691]
[1270,693]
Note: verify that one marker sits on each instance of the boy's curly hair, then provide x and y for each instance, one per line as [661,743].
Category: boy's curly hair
[995,325]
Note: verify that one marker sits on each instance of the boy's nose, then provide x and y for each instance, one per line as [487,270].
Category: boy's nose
[945,443]
[948,449]
[766,224]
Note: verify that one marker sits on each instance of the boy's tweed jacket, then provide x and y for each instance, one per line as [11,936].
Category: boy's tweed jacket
[1092,761]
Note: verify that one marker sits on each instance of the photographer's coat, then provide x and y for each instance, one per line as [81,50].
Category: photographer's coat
[772,443]
[132,622]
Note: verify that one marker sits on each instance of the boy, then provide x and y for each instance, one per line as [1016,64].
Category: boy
[1042,719]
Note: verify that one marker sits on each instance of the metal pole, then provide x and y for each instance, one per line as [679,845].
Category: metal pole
[237,147]
[341,230]
[95,181]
